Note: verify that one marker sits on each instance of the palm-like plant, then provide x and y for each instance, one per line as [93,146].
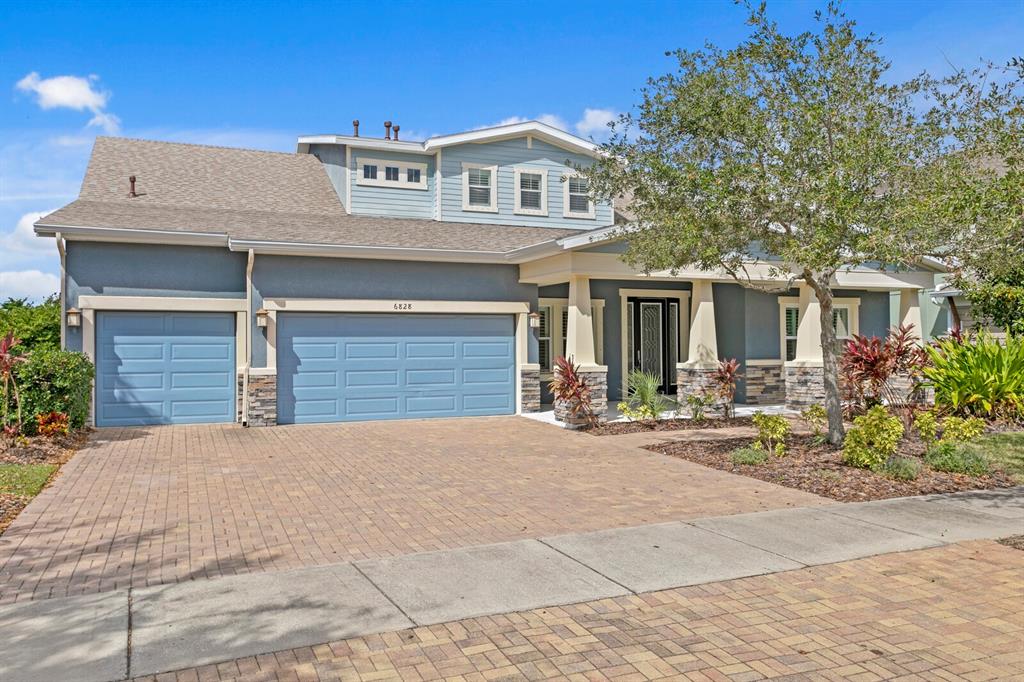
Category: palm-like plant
[643,400]
[982,377]
[9,358]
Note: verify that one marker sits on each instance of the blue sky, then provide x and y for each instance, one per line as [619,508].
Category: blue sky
[258,74]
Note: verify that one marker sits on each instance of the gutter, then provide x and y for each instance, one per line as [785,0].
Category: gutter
[122,234]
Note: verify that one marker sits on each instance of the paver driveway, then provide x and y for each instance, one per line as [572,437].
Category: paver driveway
[141,506]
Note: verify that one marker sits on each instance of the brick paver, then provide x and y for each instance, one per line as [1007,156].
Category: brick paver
[154,505]
[951,613]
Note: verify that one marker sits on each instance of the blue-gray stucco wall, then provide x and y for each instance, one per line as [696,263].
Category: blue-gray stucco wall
[304,277]
[112,269]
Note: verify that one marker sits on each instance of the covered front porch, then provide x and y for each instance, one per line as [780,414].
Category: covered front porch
[678,326]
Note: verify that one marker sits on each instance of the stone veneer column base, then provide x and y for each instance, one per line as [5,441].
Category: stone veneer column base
[805,385]
[262,398]
[691,381]
[597,379]
[765,384]
[529,387]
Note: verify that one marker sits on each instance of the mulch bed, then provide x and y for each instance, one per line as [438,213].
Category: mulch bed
[618,428]
[819,469]
[1015,541]
[36,450]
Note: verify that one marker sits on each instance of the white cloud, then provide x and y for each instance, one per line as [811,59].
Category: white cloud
[595,123]
[72,92]
[32,284]
[553,121]
[23,239]
[549,119]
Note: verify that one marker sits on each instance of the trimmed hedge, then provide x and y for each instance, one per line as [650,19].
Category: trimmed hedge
[54,381]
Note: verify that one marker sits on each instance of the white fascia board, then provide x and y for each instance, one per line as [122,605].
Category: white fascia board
[591,237]
[377,252]
[537,129]
[118,234]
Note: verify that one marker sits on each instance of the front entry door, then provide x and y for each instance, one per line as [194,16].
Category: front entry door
[653,338]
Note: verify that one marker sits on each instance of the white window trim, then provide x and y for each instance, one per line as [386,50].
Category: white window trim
[543,173]
[557,345]
[380,181]
[493,207]
[566,213]
[851,304]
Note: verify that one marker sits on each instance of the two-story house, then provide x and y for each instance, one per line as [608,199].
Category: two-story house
[376,278]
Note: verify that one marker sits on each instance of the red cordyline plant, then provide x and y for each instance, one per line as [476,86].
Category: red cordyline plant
[869,364]
[570,387]
[723,384]
[9,358]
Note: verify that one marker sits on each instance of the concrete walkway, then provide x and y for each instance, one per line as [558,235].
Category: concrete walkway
[144,631]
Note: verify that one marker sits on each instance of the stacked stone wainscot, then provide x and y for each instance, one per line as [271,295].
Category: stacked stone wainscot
[529,381]
[262,398]
[805,386]
[765,383]
[597,379]
[692,380]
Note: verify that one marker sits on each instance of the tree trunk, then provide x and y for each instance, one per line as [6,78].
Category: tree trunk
[830,366]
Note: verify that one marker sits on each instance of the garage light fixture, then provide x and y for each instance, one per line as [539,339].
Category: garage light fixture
[534,320]
[262,315]
[74,317]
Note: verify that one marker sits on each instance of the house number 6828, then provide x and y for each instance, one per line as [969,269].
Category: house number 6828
[403,306]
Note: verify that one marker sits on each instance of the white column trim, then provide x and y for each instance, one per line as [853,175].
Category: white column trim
[910,311]
[89,348]
[702,349]
[579,336]
[348,179]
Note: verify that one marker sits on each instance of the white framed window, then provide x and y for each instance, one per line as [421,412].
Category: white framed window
[479,188]
[576,202]
[554,328]
[397,174]
[845,322]
[790,324]
[841,322]
[531,188]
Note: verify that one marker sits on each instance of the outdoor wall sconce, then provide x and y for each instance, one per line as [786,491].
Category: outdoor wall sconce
[74,317]
[534,320]
[262,316]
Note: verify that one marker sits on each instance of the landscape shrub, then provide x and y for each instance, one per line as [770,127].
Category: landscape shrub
[772,430]
[980,377]
[951,457]
[55,381]
[960,430]
[698,404]
[902,468]
[52,424]
[643,401]
[723,384]
[868,365]
[873,438]
[752,456]
[927,425]
[35,325]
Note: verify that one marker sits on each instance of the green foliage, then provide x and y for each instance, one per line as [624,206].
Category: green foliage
[873,439]
[995,284]
[902,468]
[927,425]
[1004,451]
[643,401]
[37,325]
[960,430]
[952,457]
[750,456]
[772,430]
[816,417]
[980,377]
[24,480]
[698,404]
[55,381]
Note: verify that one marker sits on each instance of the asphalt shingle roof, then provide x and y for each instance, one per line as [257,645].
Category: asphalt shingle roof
[253,195]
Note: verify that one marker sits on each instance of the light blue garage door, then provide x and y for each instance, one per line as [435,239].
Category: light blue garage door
[350,367]
[165,368]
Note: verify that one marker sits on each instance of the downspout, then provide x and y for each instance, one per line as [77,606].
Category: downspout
[63,285]
[248,338]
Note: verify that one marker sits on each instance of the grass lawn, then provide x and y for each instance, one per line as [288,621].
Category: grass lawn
[24,480]
[1004,451]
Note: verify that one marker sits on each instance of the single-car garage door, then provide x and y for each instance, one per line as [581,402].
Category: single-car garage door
[165,368]
[352,366]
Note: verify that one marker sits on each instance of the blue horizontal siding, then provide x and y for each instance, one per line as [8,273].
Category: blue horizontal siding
[391,201]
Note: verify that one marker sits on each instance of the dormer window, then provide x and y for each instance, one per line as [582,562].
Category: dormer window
[397,174]
[479,192]
[576,199]
[531,191]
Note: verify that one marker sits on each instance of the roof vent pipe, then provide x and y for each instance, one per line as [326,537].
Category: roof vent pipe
[131,187]
[387,130]
[396,132]
[355,128]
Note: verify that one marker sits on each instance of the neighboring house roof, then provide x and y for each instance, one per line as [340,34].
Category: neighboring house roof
[252,196]
[541,131]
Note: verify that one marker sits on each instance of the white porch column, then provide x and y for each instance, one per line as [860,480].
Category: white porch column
[808,331]
[703,346]
[579,335]
[910,311]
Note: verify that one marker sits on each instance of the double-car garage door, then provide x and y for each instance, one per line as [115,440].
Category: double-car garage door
[174,368]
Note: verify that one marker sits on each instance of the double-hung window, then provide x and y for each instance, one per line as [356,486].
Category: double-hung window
[844,322]
[531,187]
[791,323]
[576,198]
[479,188]
[544,337]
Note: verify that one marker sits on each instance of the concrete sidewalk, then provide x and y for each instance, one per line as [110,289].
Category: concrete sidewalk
[113,635]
